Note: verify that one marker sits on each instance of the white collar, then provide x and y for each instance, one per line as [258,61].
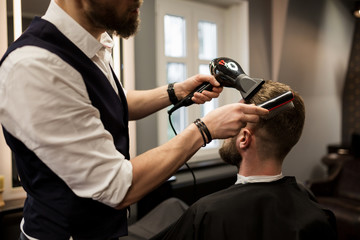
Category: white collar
[255,179]
[74,31]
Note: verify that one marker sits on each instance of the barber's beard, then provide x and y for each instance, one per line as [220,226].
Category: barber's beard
[229,153]
[105,16]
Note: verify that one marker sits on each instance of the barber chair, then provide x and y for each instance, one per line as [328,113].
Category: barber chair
[340,192]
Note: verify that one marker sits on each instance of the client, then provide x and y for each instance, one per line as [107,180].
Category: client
[263,204]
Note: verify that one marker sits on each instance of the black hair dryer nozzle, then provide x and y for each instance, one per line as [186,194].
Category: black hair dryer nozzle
[229,74]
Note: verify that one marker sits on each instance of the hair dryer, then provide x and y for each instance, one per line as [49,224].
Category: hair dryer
[229,74]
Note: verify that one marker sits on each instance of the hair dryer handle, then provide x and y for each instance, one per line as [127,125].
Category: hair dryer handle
[186,101]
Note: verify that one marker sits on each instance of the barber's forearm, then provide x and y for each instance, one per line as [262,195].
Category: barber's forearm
[152,168]
[146,102]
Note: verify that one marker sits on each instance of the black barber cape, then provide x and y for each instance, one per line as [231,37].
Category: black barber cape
[276,210]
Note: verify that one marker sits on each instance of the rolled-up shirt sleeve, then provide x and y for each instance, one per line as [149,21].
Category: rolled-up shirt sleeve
[47,107]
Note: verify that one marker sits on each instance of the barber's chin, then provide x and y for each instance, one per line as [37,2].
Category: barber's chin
[135,11]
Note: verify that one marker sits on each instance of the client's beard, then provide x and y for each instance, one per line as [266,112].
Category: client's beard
[229,153]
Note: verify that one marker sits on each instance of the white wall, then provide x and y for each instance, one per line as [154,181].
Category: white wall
[315,53]
[322,56]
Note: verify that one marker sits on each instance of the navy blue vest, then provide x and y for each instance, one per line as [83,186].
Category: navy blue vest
[52,210]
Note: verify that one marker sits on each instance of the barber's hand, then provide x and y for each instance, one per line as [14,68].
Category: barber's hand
[182,89]
[226,121]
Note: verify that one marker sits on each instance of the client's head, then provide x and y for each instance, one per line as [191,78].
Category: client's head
[271,138]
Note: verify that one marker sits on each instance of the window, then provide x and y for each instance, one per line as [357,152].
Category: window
[189,36]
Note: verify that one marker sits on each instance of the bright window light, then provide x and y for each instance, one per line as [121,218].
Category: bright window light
[17,18]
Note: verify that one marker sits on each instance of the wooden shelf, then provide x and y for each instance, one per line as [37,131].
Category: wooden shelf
[15,205]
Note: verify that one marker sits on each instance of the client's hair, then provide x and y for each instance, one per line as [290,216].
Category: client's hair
[281,132]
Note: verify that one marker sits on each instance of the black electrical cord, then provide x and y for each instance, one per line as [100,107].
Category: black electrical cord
[187,165]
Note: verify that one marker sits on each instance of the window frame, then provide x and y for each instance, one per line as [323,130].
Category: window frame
[193,13]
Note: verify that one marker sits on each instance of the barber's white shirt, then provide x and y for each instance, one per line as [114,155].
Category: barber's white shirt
[44,103]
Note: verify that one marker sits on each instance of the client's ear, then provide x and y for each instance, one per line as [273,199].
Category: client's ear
[244,139]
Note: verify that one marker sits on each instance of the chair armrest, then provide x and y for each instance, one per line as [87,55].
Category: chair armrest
[325,187]
[332,161]
[321,187]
